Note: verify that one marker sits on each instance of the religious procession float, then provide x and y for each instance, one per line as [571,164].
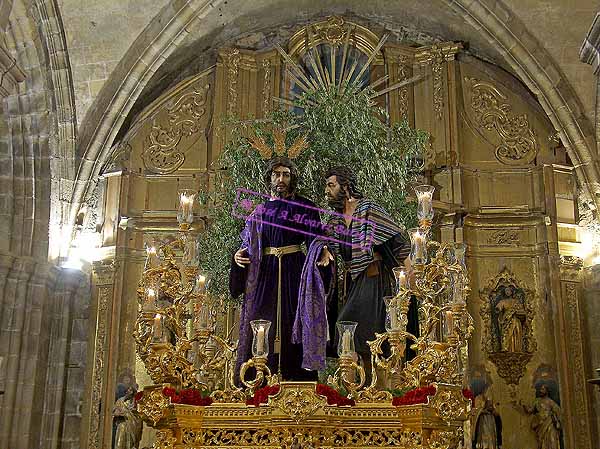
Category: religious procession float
[410,394]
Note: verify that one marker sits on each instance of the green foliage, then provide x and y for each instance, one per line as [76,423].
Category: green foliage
[399,392]
[343,129]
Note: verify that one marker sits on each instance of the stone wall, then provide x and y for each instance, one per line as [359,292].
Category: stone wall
[43,338]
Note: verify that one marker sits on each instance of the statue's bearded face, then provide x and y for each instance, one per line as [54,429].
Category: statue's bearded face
[335,193]
[281,178]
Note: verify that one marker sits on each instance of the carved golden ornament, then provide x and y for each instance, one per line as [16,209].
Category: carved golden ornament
[333,31]
[162,155]
[345,376]
[437,68]
[164,440]
[373,395]
[504,238]
[266,91]
[450,404]
[519,145]
[403,73]
[511,365]
[318,437]
[232,61]
[445,439]
[298,401]
[266,152]
[436,55]
[262,373]
[153,404]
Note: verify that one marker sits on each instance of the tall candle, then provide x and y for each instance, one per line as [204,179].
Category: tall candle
[150,302]
[151,257]
[186,203]
[419,244]
[346,342]
[260,340]
[157,327]
[449,322]
[402,279]
[394,318]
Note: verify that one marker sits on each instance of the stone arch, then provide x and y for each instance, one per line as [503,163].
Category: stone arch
[492,20]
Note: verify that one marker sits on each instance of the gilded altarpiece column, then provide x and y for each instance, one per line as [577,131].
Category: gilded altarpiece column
[102,284]
[572,360]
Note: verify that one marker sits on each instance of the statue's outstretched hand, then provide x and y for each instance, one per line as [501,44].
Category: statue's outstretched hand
[325,258]
[241,257]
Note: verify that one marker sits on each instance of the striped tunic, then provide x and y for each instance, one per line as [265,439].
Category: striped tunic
[371,226]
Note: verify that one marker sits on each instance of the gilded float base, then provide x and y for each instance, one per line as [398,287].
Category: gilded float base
[297,412]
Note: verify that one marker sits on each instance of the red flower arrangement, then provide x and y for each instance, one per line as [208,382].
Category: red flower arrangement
[261,396]
[467,393]
[187,396]
[416,396]
[333,396]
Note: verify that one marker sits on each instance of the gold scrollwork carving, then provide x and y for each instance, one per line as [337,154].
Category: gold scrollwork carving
[507,336]
[164,440]
[153,404]
[437,68]
[266,91]
[403,73]
[162,156]
[450,405]
[332,31]
[298,402]
[519,144]
[232,60]
[319,437]
[445,439]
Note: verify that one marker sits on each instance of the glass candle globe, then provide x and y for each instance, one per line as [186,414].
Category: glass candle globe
[185,212]
[418,246]
[260,340]
[346,331]
[424,202]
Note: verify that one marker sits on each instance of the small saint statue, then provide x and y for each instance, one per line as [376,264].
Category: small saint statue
[488,428]
[127,421]
[511,316]
[546,422]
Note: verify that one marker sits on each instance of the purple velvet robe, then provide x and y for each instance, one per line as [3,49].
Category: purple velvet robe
[278,224]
